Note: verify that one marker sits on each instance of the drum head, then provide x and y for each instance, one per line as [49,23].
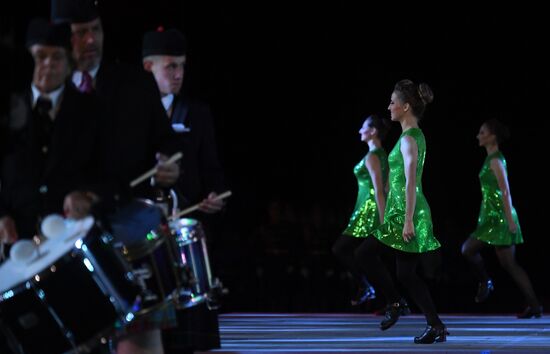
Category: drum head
[186,230]
[13,273]
[136,223]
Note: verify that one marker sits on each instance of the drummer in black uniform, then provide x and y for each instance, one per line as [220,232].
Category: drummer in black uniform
[164,54]
[135,137]
[51,139]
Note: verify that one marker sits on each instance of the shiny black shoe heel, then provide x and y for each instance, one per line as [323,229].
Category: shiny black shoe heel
[363,294]
[432,335]
[393,312]
[531,312]
[484,289]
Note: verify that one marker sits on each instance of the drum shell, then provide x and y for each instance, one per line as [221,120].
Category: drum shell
[152,263]
[192,254]
[85,293]
[143,238]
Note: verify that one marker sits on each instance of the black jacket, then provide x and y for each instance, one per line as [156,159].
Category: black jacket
[34,182]
[135,126]
[201,172]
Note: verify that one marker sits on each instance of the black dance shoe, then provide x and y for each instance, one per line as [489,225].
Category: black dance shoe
[432,334]
[363,294]
[531,312]
[484,289]
[393,311]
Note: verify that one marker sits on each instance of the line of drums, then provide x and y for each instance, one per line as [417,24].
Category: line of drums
[82,284]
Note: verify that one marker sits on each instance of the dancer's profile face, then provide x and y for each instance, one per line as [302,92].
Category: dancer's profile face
[485,137]
[367,132]
[396,107]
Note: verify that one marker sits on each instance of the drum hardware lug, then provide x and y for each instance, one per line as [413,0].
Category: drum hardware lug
[107,238]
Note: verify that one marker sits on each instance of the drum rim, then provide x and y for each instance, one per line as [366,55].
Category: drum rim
[195,234]
[188,241]
[143,248]
[195,222]
[16,290]
[45,273]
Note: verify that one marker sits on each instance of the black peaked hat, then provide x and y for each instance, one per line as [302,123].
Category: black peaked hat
[160,42]
[74,11]
[41,31]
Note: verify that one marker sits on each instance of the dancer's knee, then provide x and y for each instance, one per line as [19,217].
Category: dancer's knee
[406,276]
[467,251]
[509,264]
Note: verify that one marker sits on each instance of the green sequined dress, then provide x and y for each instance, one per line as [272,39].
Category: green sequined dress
[492,226]
[364,219]
[391,231]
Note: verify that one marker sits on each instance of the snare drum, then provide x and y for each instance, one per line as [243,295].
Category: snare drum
[192,256]
[143,238]
[76,290]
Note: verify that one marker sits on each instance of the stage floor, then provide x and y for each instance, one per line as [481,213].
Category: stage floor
[358,333]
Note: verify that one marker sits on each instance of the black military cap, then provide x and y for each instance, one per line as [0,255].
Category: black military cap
[74,11]
[160,42]
[41,31]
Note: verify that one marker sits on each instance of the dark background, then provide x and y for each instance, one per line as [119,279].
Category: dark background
[289,88]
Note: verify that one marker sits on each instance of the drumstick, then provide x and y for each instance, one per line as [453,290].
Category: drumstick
[196,206]
[152,171]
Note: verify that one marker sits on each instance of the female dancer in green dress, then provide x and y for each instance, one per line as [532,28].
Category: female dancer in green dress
[407,227]
[372,174]
[498,224]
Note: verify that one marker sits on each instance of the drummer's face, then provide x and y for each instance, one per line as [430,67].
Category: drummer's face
[168,71]
[51,67]
[87,43]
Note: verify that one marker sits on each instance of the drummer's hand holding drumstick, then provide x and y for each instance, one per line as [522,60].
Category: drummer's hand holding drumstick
[77,204]
[8,232]
[211,204]
[167,173]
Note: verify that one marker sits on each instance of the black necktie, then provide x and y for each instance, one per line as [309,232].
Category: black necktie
[43,121]
[43,105]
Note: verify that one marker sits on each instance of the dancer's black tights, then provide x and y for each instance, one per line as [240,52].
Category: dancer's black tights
[344,249]
[406,264]
[471,249]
